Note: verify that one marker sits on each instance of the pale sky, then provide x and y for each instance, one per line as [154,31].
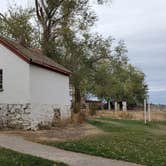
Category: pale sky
[142,24]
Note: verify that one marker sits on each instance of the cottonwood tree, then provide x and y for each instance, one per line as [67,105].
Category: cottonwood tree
[16,24]
[81,55]
[117,80]
[54,15]
[64,24]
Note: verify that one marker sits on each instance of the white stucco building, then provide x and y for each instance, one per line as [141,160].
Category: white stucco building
[33,88]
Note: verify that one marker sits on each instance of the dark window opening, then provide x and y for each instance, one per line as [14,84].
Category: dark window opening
[1,79]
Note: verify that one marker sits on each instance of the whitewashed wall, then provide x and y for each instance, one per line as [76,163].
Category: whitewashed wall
[31,94]
[49,91]
[15,78]
[48,87]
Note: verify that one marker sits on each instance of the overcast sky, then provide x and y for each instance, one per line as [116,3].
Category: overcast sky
[142,24]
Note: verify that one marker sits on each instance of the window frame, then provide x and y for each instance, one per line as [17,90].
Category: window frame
[1,80]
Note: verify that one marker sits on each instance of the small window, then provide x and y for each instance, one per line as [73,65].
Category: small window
[1,80]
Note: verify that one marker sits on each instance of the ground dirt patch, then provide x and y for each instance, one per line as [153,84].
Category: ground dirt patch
[70,132]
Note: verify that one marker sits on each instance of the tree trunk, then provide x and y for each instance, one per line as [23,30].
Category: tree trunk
[77,100]
[46,41]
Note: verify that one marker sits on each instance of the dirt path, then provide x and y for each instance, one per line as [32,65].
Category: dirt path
[66,133]
[17,143]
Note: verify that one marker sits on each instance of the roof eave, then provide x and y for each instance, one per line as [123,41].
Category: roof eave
[28,60]
[14,50]
[57,70]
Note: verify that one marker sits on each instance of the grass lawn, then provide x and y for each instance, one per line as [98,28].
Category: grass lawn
[124,140]
[12,158]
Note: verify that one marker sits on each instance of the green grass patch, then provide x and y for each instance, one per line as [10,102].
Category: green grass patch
[124,140]
[12,158]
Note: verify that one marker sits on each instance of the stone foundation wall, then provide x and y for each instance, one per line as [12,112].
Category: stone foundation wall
[30,116]
[45,114]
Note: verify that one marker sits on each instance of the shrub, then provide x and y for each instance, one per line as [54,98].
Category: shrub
[93,108]
[78,117]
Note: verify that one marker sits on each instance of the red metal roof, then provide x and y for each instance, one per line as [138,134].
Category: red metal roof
[33,56]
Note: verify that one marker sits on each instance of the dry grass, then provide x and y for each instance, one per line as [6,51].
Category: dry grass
[78,118]
[135,115]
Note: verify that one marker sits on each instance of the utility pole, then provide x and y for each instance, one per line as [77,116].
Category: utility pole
[149,116]
[145,102]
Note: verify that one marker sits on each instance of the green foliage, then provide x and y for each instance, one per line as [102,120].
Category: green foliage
[96,66]
[124,140]
[9,157]
[62,19]
[64,24]
[118,80]
[16,24]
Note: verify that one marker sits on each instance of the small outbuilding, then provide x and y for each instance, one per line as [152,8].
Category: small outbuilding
[34,90]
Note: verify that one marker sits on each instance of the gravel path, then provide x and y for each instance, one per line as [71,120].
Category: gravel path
[19,144]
